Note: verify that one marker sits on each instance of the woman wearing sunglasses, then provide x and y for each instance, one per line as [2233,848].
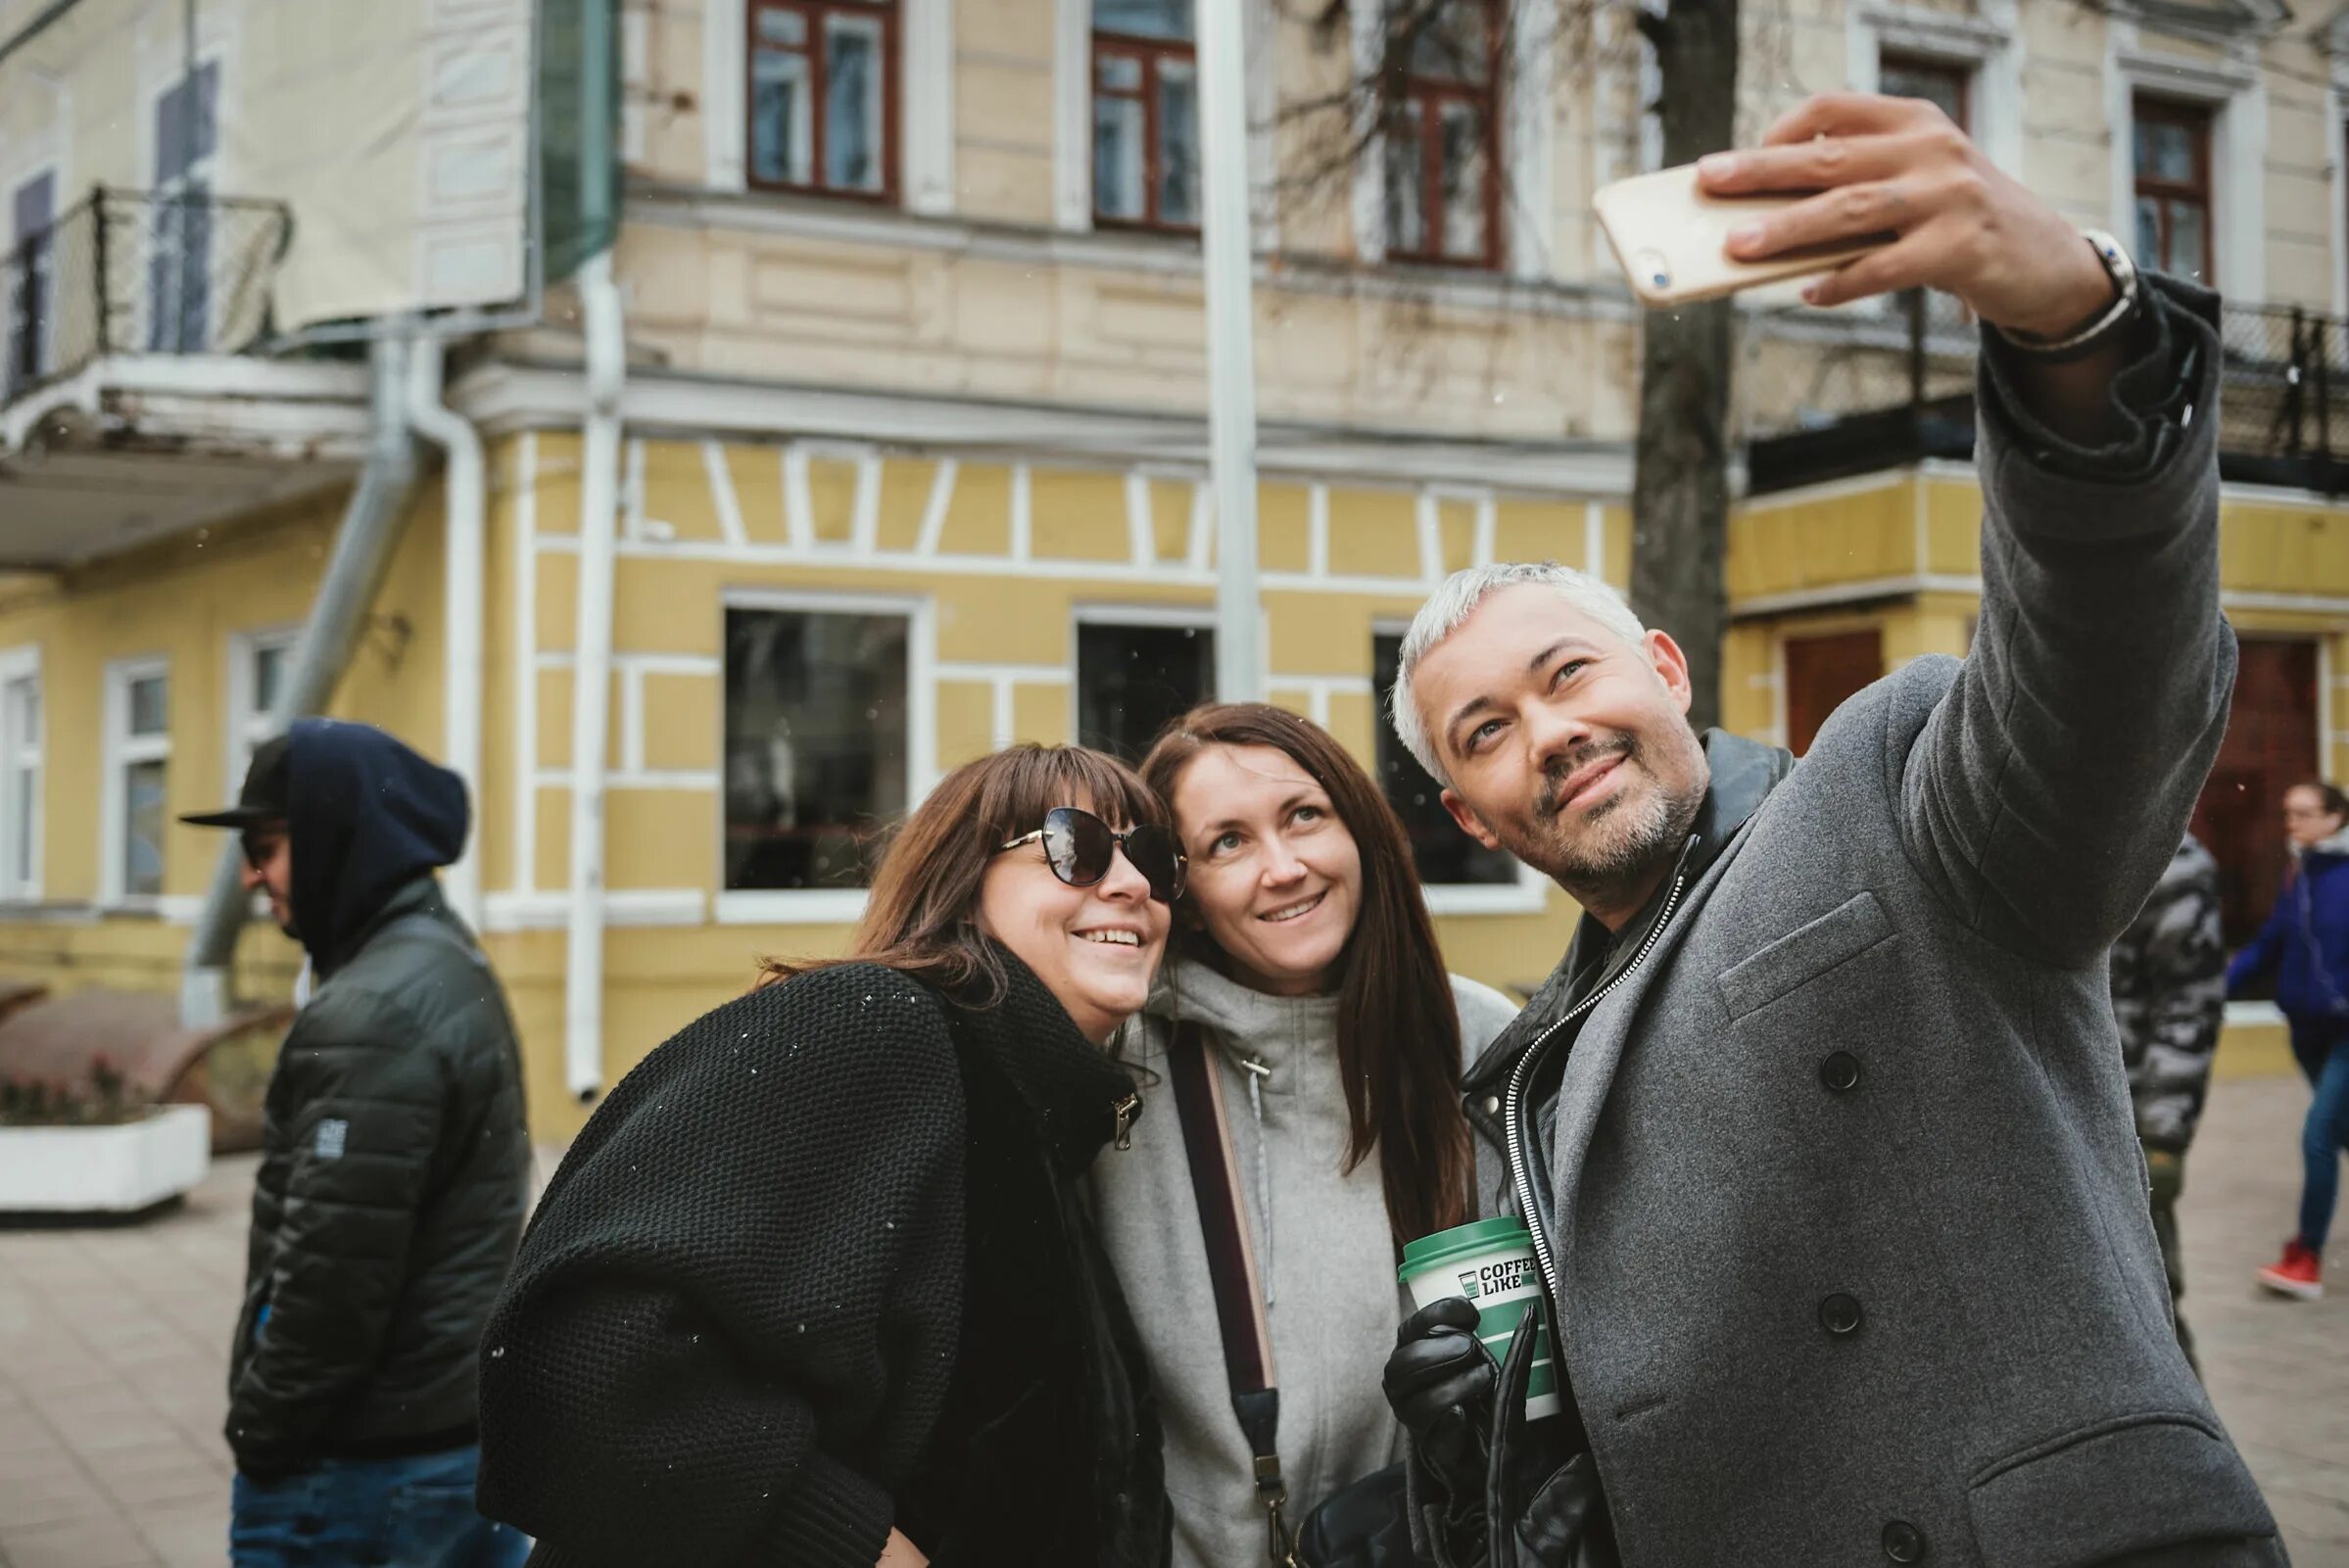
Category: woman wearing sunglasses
[1307,973]
[817,1284]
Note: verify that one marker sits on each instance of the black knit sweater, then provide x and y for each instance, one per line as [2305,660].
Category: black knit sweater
[818,1267]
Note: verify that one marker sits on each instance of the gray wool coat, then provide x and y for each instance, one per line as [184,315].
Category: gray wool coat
[1848,1210]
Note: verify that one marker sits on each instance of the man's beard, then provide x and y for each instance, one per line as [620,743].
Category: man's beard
[1627,841]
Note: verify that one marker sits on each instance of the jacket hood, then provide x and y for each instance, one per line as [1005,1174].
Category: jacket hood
[368,815]
[1274,1030]
[2337,844]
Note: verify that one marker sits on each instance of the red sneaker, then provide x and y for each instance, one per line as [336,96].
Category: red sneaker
[2298,1274]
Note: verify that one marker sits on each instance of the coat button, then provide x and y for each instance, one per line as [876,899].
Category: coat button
[1492,1105]
[1903,1542]
[1840,1314]
[1840,1072]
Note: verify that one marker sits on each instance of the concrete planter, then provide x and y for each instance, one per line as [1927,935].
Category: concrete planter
[104,1169]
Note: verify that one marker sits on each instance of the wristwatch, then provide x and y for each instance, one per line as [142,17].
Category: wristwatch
[2091,334]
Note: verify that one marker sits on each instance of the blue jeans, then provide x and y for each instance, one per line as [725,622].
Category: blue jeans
[2324,1058]
[381,1513]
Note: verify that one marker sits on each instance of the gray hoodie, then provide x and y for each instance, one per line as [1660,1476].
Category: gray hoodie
[1322,1242]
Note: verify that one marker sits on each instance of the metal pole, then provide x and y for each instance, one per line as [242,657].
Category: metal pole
[1230,349]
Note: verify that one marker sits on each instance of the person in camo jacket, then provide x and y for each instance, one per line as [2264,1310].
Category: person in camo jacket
[2169,979]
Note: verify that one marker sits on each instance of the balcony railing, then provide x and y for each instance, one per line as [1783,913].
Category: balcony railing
[134,272]
[1805,376]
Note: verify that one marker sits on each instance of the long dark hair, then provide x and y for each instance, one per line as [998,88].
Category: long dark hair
[918,918]
[1398,1030]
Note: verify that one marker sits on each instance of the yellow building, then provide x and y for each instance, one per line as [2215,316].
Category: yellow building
[906,456]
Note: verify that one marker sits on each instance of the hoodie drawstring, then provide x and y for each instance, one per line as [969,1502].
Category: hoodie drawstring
[1257,1073]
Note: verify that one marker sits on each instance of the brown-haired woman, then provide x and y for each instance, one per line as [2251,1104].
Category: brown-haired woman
[816,1285]
[1305,962]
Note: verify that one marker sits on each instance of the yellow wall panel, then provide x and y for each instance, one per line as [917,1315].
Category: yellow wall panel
[966,722]
[831,499]
[1952,527]
[661,838]
[1616,524]
[1455,529]
[1284,526]
[554,721]
[677,493]
[1076,514]
[979,518]
[1354,720]
[905,486]
[757,473]
[1170,501]
[1373,532]
[681,720]
[554,616]
[997,620]
[1539,531]
[670,606]
[1329,634]
[1045,713]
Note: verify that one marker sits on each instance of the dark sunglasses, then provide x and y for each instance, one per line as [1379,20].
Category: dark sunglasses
[1079,846]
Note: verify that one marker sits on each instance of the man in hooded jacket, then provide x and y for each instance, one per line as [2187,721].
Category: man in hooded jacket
[392,1182]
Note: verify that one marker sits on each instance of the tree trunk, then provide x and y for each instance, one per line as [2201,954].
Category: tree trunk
[1680,477]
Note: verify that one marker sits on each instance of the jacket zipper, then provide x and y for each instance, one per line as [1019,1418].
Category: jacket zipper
[1124,1112]
[1512,1107]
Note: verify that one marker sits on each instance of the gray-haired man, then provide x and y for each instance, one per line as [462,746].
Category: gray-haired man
[1821,1126]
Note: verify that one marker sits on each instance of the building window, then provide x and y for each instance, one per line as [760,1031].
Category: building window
[1445,856]
[138,760]
[817,744]
[19,776]
[1145,114]
[31,271]
[2172,150]
[1821,672]
[1943,84]
[257,665]
[1134,675]
[1441,153]
[179,254]
[2272,720]
[823,97]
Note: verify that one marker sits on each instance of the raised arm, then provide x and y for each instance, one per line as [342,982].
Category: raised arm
[2051,783]
[744,1280]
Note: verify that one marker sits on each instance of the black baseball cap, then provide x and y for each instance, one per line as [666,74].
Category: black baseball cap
[267,795]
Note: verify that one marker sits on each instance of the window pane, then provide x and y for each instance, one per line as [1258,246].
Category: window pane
[851,104]
[269,674]
[21,699]
[148,697]
[23,794]
[1117,158]
[782,138]
[815,745]
[1463,182]
[1178,142]
[1146,19]
[1943,87]
[1441,851]
[1119,74]
[2149,230]
[2188,226]
[1132,680]
[143,828]
[2165,151]
[1449,38]
[787,27]
[1405,172]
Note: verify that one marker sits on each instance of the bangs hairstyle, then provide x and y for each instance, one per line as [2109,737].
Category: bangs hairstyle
[920,918]
[1399,1054]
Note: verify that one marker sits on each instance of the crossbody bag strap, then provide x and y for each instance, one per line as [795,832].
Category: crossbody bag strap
[1231,1271]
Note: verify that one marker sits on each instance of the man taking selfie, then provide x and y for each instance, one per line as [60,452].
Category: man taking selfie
[1821,1126]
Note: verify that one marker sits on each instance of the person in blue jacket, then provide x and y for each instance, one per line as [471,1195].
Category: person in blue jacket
[2306,943]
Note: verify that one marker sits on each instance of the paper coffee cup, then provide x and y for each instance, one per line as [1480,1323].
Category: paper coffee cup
[1490,1264]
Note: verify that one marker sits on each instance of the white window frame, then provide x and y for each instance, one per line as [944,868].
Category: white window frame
[22,883]
[45,354]
[827,906]
[248,725]
[925,126]
[2336,158]
[118,749]
[1525,141]
[1529,894]
[2236,93]
[209,171]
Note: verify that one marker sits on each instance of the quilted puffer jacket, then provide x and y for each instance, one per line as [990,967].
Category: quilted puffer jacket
[395,1164]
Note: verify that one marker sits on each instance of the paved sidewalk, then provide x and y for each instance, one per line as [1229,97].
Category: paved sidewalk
[113,1342]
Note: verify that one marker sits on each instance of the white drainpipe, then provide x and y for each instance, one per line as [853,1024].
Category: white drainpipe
[461,582]
[590,674]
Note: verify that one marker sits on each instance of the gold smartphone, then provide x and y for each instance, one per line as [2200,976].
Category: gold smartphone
[1669,237]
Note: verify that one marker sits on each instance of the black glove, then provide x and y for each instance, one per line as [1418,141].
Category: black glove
[1440,1383]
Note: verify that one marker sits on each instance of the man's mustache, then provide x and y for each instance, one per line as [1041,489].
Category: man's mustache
[1559,770]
